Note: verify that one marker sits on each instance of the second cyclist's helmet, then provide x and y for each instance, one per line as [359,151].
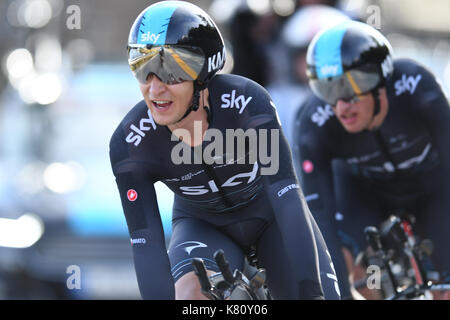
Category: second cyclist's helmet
[177,41]
[347,60]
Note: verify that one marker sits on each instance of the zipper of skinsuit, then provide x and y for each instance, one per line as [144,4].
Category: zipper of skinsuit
[212,175]
[385,151]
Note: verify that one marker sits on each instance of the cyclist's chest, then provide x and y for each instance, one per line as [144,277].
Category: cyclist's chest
[189,176]
[216,187]
[210,176]
[401,140]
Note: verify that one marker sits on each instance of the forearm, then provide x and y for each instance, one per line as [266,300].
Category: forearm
[333,242]
[298,237]
[152,268]
[141,212]
[433,109]
[321,201]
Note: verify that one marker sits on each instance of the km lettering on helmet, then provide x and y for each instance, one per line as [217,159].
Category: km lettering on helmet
[216,61]
[387,66]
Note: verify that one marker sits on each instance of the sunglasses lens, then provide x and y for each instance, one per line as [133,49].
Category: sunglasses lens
[171,64]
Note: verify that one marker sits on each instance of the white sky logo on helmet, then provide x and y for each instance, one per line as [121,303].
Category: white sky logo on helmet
[329,70]
[150,37]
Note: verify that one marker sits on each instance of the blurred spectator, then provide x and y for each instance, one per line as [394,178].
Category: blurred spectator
[290,91]
[302,3]
[251,35]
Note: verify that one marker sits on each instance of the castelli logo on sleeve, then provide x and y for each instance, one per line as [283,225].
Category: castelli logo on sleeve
[287,188]
[132,195]
[308,166]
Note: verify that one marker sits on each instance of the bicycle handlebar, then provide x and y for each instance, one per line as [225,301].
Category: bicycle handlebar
[418,290]
[373,237]
[399,232]
[222,285]
[393,227]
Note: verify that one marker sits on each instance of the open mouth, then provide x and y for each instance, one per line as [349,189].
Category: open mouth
[161,105]
[349,118]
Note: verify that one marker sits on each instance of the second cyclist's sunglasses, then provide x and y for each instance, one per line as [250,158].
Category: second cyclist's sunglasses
[349,86]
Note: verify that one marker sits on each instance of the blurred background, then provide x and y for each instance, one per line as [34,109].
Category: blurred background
[65,85]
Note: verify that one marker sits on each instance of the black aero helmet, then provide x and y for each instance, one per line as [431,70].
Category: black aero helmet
[177,41]
[348,60]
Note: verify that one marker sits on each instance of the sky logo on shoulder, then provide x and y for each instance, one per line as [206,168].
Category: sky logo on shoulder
[231,101]
[136,135]
[407,84]
[322,115]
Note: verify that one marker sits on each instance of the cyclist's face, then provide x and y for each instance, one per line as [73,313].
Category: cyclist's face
[355,116]
[300,67]
[167,102]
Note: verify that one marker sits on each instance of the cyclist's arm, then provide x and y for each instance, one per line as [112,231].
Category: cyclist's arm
[433,107]
[316,177]
[288,204]
[151,261]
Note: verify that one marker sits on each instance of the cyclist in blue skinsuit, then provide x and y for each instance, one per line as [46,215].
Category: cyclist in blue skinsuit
[175,51]
[383,126]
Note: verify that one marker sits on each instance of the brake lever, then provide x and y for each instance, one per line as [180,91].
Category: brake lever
[207,288]
[224,266]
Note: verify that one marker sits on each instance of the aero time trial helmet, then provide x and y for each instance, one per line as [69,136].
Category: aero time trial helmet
[177,41]
[348,60]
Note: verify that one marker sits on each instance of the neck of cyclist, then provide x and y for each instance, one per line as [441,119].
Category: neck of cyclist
[378,119]
[192,122]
